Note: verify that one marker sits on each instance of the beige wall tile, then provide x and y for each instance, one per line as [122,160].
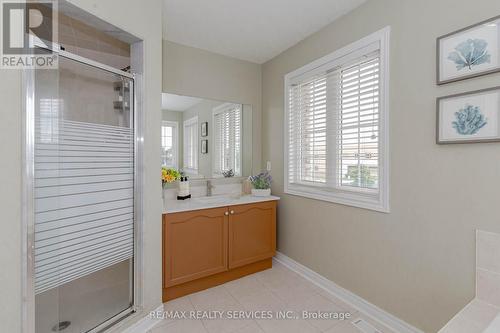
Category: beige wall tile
[474,318]
[488,287]
[488,251]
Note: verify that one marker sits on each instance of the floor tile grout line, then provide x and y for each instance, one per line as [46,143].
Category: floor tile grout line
[267,290]
[284,302]
[258,325]
[358,312]
[159,324]
[308,282]
[202,323]
[315,291]
[241,305]
[235,301]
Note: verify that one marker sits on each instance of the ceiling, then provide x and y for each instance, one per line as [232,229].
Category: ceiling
[173,102]
[253,30]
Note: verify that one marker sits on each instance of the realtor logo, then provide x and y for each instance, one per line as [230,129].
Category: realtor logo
[28,31]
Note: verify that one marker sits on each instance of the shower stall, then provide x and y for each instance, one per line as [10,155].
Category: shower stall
[81,196]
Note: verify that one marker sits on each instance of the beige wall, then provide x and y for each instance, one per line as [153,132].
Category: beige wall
[194,72]
[144,21]
[418,261]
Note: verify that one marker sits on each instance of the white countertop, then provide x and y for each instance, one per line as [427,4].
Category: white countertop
[176,206]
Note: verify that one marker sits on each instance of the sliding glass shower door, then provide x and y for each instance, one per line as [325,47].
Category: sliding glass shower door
[84,197]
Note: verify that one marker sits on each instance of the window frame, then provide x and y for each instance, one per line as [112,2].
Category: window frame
[361,198]
[215,111]
[175,140]
[186,123]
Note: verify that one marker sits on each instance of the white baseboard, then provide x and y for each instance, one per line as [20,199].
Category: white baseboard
[374,312]
[144,324]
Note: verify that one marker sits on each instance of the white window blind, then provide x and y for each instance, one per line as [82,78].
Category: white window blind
[335,127]
[169,138]
[191,145]
[359,131]
[308,132]
[227,138]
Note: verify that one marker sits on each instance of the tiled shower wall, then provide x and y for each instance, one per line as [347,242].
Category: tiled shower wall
[488,267]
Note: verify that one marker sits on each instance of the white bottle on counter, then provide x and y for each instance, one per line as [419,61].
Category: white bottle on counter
[183,193]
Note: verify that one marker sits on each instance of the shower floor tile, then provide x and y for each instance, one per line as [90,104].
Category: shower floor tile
[86,302]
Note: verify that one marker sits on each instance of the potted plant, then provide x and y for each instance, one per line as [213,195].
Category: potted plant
[168,175]
[261,184]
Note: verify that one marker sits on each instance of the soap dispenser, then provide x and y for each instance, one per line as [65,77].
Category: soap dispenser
[183,193]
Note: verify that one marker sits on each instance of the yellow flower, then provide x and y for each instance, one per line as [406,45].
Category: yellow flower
[169,175]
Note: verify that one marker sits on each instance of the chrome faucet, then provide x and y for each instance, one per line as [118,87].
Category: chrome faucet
[209,188]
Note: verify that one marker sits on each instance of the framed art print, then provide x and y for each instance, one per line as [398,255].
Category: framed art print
[469,117]
[469,52]
[204,129]
[204,146]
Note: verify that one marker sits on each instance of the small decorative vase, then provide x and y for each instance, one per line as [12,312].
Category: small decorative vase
[261,193]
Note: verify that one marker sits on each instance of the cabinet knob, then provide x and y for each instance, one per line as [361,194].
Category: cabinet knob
[232,212]
[226,213]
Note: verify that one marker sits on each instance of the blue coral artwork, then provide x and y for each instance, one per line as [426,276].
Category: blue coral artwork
[469,117]
[469,120]
[470,53]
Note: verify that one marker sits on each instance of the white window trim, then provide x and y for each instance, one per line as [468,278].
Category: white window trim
[351,198]
[190,121]
[175,138]
[219,109]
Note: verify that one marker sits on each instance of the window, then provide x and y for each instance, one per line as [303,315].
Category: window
[169,144]
[227,139]
[191,146]
[336,137]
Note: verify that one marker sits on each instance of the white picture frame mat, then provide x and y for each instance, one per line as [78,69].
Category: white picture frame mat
[489,32]
[489,103]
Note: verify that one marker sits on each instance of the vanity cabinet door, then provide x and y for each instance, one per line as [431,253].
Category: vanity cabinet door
[194,245]
[252,233]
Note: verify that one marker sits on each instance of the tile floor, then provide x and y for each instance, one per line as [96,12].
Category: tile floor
[270,291]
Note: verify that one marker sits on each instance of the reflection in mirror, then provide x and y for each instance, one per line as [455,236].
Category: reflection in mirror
[206,138]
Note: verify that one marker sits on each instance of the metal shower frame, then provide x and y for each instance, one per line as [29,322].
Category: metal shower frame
[28,230]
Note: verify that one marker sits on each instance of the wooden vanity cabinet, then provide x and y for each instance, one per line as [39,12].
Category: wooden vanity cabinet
[195,245]
[208,247]
[252,233]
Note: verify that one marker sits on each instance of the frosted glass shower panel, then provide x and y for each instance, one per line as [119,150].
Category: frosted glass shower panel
[84,176]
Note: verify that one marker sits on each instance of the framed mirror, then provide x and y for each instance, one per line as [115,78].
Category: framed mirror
[206,138]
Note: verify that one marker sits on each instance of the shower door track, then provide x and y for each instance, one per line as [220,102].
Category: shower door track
[28,234]
[83,60]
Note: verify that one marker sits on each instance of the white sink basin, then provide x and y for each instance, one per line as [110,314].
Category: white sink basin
[213,200]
